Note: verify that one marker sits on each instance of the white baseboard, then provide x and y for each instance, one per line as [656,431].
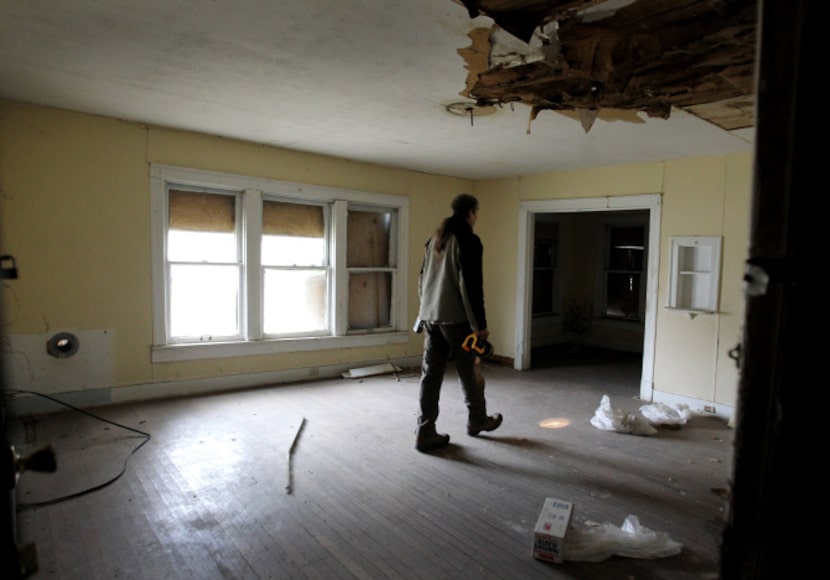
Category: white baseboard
[31,404]
[696,406]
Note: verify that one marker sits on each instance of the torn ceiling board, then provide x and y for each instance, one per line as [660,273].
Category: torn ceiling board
[522,17]
[645,55]
[730,114]
[477,56]
[609,115]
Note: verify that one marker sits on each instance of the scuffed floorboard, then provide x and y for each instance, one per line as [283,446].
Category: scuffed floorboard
[206,498]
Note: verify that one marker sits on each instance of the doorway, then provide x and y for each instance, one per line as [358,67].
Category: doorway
[539,263]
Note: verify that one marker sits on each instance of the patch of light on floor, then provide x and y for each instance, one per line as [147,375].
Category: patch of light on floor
[554,423]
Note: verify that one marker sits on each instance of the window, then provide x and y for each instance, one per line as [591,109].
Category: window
[624,272]
[695,273]
[545,260]
[251,266]
[204,267]
[295,269]
[371,267]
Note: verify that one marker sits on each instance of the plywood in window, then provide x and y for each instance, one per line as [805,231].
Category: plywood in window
[370,300]
[368,239]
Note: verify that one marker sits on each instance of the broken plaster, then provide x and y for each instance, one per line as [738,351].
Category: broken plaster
[592,56]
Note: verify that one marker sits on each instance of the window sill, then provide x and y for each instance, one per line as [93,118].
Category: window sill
[691,312]
[183,352]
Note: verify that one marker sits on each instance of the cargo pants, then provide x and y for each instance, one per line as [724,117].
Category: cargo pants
[441,341]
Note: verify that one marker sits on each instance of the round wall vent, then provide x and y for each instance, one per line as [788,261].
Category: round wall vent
[63,345]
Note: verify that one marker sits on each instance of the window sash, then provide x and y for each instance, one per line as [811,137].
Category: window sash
[370,256]
[207,288]
[370,299]
[204,266]
[296,301]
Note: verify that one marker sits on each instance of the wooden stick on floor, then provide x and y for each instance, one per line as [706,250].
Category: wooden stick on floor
[289,487]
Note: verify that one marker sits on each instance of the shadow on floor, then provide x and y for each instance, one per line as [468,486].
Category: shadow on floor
[565,355]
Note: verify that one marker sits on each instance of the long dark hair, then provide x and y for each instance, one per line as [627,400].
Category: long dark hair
[461,206]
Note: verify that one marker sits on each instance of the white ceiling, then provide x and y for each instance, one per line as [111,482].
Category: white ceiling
[367,80]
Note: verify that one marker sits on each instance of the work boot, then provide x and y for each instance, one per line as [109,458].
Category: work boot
[429,441]
[490,423]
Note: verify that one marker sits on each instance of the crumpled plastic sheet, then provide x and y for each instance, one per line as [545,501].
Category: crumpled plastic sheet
[662,414]
[610,419]
[631,540]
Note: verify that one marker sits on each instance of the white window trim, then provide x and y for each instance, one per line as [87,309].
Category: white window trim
[163,175]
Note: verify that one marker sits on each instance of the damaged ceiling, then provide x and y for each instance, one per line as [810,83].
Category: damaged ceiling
[546,85]
[595,56]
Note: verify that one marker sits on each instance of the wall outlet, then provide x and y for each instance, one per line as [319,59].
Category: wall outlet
[708,409]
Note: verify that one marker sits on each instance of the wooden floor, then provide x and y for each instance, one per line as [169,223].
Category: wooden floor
[321,480]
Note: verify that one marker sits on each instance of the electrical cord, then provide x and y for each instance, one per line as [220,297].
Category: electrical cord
[147,436]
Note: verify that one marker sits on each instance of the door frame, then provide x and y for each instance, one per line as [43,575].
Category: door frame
[527,218]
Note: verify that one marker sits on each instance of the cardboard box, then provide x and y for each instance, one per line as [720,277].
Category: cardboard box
[551,529]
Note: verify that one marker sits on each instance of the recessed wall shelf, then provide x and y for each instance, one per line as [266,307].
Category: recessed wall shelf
[691,313]
[695,273]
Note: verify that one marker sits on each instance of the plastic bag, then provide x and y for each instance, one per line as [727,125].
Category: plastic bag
[609,419]
[632,540]
[662,414]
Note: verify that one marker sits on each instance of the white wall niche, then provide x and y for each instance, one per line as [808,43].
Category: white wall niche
[695,273]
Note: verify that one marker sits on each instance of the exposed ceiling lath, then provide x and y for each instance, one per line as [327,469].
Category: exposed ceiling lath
[584,56]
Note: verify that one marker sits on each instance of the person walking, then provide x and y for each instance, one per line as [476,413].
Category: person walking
[451,291]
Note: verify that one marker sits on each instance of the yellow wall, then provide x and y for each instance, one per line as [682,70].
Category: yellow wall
[75,195]
[706,196]
[75,214]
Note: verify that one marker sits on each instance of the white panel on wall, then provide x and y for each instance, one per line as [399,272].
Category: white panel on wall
[29,366]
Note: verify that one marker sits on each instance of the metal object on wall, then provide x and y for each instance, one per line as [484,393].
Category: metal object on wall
[63,345]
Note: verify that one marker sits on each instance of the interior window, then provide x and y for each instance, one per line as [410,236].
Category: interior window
[545,258]
[624,272]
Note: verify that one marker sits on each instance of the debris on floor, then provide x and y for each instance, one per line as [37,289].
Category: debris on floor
[610,419]
[549,536]
[597,542]
[289,488]
[383,369]
[663,415]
